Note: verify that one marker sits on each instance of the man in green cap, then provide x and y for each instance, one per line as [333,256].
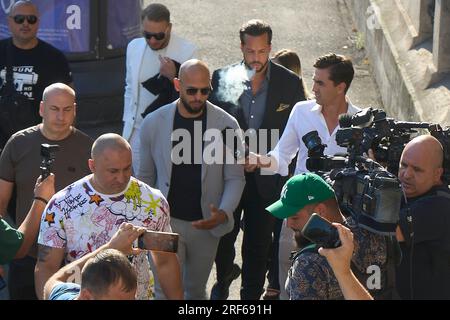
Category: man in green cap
[310,276]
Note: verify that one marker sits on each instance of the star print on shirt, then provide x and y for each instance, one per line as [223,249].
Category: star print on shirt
[50,218]
[152,204]
[96,199]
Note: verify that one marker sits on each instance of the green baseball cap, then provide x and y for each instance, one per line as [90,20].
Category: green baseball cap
[298,192]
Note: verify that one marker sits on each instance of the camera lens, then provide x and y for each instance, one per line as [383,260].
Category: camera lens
[313,143]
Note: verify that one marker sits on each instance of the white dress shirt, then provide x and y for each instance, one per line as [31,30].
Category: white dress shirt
[306,116]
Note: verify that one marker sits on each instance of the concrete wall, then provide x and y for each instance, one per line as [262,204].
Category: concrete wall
[409,65]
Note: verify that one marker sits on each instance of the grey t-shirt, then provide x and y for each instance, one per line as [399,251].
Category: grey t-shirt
[21,159]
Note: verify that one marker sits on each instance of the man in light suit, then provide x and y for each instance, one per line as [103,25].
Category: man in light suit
[152,63]
[202,194]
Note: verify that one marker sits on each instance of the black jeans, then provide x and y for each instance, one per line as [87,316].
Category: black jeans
[21,279]
[258,225]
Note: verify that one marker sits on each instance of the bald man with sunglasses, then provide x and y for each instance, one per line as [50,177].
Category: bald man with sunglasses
[202,190]
[152,63]
[35,65]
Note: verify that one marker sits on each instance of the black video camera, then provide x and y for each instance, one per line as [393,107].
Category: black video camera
[371,129]
[48,157]
[363,188]
[317,161]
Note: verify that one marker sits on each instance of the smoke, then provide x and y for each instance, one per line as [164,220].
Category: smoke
[232,83]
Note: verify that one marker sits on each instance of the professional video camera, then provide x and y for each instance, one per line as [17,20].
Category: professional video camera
[443,135]
[385,136]
[317,161]
[363,188]
[48,157]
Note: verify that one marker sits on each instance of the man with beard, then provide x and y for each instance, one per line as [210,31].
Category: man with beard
[262,108]
[202,194]
[152,63]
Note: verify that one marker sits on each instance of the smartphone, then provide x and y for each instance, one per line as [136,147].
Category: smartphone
[159,241]
[321,232]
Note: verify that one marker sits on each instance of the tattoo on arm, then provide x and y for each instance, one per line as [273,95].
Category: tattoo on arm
[43,252]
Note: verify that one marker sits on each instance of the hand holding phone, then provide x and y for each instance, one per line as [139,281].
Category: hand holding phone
[321,232]
[159,241]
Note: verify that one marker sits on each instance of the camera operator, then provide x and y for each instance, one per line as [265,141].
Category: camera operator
[310,276]
[424,227]
[332,78]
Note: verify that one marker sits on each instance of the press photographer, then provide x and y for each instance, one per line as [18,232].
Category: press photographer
[311,277]
[424,227]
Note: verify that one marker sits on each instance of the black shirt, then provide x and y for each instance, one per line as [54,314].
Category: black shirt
[185,185]
[427,251]
[35,69]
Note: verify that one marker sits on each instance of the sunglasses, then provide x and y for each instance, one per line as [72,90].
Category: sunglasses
[158,36]
[20,18]
[193,91]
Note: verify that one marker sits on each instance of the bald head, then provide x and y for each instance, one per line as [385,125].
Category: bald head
[109,141]
[428,146]
[421,165]
[192,67]
[56,89]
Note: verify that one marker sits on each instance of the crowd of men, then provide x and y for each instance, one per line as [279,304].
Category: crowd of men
[170,171]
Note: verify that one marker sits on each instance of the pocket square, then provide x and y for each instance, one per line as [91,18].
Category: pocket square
[282,107]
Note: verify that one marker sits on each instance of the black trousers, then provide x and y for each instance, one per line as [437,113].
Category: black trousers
[258,225]
[272,266]
[21,279]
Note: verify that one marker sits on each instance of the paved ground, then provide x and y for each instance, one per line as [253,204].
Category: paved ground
[310,27]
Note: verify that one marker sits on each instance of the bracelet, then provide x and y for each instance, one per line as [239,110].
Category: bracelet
[41,199]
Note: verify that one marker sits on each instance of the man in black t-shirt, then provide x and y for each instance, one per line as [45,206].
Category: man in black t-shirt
[181,155]
[35,63]
[424,227]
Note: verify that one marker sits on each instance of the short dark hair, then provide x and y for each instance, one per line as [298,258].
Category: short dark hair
[255,28]
[156,12]
[105,269]
[341,68]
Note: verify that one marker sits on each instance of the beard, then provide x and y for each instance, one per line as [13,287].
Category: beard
[300,240]
[192,110]
[261,69]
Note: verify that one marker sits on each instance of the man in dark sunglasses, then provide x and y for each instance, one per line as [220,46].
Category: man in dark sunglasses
[32,65]
[152,62]
[202,194]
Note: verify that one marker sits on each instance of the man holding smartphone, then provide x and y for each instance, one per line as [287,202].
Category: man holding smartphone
[303,195]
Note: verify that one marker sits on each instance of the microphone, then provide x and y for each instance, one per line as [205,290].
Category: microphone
[238,147]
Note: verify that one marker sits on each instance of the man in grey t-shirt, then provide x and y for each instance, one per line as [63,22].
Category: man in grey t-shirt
[19,168]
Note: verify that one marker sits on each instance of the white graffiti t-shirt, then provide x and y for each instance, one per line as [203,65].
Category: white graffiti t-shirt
[80,219]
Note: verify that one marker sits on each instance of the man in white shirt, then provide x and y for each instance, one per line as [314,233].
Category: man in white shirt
[152,63]
[332,78]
